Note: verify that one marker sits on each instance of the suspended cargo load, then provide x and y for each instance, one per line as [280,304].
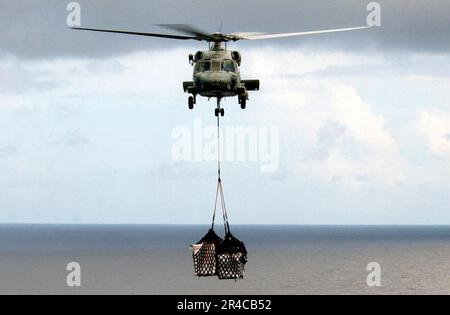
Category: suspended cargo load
[213,256]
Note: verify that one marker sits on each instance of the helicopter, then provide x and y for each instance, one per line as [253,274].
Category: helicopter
[216,71]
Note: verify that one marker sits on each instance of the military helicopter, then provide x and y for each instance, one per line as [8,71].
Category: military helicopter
[216,70]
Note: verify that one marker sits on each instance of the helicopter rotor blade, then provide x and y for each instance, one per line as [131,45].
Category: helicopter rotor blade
[188,30]
[283,35]
[180,37]
[247,34]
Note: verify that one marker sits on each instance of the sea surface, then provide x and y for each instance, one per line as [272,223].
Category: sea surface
[282,259]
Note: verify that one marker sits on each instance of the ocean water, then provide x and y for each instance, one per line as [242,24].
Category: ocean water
[282,260]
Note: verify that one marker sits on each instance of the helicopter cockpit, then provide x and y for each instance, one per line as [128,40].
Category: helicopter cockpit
[215,66]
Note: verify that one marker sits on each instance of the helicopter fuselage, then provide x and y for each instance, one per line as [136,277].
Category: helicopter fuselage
[217,74]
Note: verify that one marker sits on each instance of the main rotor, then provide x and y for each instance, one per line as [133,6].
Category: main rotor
[197,34]
[192,33]
[223,38]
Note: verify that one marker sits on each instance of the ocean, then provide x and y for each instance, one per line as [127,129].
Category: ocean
[156,259]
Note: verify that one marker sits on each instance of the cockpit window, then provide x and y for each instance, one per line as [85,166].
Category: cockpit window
[203,66]
[228,66]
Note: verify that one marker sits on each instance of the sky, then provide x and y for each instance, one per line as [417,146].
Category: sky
[362,119]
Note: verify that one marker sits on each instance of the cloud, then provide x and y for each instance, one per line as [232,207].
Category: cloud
[328,136]
[178,171]
[8,151]
[359,147]
[435,125]
[341,131]
[65,82]
[332,132]
[73,138]
[42,32]
[10,101]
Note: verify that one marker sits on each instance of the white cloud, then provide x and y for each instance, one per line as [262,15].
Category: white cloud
[360,150]
[435,125]
[146,74]
[8,151]
[332,133]
[8,101]
[336,127]
[73,138]
[275,63]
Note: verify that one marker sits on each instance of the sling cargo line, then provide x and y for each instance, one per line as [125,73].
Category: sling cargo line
[214,256]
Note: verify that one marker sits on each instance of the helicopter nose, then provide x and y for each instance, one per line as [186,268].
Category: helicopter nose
[216,81]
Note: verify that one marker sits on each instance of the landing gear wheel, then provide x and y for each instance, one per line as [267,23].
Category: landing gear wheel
[222,112]
[243,102]
[216,112]
[191,102]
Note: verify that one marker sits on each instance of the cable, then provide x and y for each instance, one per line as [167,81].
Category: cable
[218,146]
[215,206]
[224,211]
[219,183]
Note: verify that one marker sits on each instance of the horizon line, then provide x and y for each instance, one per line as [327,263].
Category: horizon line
[239,224]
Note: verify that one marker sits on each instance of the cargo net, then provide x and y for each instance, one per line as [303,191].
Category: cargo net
[231,257]
[213,256]
[204,253]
